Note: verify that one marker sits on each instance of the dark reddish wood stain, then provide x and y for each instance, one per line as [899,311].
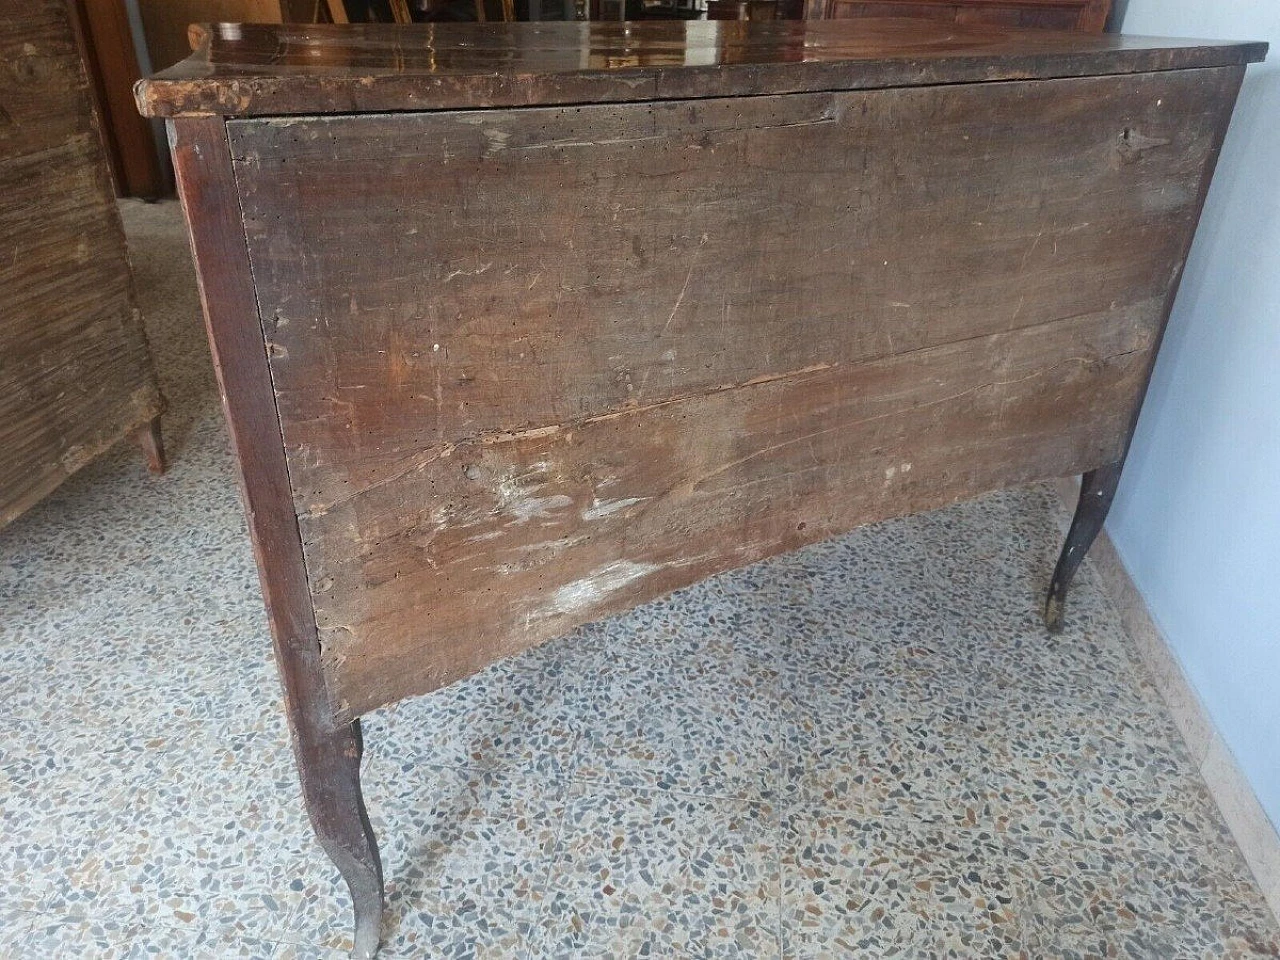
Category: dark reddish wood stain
[75,371]
[106,42]
[494,372]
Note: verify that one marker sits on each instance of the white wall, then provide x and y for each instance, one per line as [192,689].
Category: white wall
[1197,519]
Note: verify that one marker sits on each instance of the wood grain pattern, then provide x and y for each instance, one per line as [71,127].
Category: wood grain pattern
[246,70]
[497,546]
[531,268]
[591,339]
[75,372]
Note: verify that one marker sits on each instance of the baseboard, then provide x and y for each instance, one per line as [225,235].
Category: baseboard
[1248,822]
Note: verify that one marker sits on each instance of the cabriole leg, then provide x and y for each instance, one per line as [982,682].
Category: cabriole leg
[1097,490]
[327,751]
[331,786]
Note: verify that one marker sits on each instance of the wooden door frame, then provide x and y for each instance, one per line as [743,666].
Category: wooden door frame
[111,65]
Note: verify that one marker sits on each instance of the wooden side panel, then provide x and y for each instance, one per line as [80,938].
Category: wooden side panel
[75,372]
[496,546]
[513,269]
[43,91]
[552,362]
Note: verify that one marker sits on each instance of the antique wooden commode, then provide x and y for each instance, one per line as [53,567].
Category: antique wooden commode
[519,325]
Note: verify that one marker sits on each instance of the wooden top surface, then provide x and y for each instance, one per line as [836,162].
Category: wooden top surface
[241,70]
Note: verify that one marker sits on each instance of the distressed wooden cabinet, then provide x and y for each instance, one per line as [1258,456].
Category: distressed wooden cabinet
[75,371]
[524,324]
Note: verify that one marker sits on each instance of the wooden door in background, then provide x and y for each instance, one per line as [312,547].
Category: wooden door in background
[107,49]
[165,22]
[111,54]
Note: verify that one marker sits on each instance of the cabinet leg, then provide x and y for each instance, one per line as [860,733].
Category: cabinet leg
[1097,491]
[331,786]
[152,444]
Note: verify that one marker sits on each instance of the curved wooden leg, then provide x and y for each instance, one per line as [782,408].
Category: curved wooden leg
[327,750]
[331,786]
[1097,490]
[152,444]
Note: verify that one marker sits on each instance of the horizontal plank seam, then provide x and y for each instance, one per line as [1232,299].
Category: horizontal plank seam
[1040,371]
[493,438]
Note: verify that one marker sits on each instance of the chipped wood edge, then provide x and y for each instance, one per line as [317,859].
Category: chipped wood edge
[1254,833]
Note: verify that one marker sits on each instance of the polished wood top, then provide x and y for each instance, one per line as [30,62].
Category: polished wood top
[260,69]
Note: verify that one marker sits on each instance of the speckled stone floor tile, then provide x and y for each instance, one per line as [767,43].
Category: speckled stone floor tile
[1088,900]
[466,854]
[154,945]
[885,887]
[657,873]
[60,937]
[880,759]
[515,715]
[868,748]
[186,849]
[15,925]
[693,710]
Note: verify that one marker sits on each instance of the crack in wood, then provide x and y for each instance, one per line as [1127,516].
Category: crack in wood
[551,430]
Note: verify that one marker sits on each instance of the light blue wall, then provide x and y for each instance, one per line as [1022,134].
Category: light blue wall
[1197,519]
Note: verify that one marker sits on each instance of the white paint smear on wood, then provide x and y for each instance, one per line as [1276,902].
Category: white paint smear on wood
[581,596]
[602,508]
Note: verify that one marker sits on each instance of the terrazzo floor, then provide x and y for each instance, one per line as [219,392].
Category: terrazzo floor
[866,749]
